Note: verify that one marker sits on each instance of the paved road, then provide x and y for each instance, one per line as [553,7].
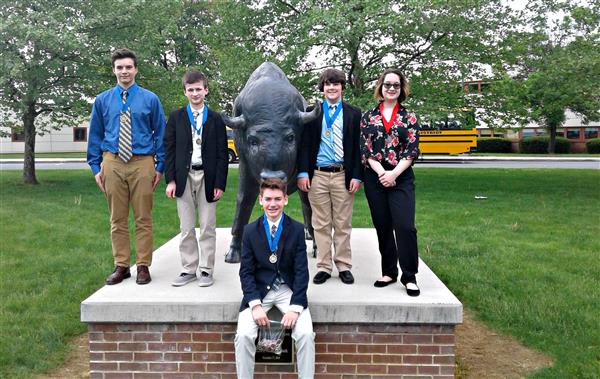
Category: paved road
[444,161]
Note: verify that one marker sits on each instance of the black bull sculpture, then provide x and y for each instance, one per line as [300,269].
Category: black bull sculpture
[269,118]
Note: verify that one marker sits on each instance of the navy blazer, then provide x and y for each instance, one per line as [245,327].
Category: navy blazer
[178,151]
[311,143]
[257,273]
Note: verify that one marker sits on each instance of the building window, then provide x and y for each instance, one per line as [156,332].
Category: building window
[79,134]
[591,133]
[473,88]
[17,136]
[573,133]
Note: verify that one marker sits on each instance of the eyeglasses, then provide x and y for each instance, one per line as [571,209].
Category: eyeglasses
[390,85]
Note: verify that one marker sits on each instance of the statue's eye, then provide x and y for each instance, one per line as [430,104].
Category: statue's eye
[290,138]
[253,141]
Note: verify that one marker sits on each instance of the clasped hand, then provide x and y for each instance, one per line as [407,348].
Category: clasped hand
[387,178]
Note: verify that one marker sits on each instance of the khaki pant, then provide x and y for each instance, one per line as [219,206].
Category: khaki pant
[331,205]
[129,184]
[302,334]
[191,201]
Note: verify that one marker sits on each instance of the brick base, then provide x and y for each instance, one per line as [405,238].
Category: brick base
[205,350]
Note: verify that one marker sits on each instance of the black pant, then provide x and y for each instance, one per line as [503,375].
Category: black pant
[393,212]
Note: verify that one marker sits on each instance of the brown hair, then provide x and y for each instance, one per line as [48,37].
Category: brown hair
[332,75]
[122,54]
[274,184]
[404,87]
[194,76]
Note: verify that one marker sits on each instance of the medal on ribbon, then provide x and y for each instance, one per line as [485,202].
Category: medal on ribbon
[329,120]
[273,241]
[197,129]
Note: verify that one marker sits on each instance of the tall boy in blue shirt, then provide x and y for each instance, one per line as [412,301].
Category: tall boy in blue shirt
[125,153]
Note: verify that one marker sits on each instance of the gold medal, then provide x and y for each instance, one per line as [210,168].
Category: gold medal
[327,133]
[198,141]
[273,258]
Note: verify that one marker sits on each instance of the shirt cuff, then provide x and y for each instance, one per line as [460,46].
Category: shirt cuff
[360,181]
[95,169]
[303,175]
[296,308]
[253,303]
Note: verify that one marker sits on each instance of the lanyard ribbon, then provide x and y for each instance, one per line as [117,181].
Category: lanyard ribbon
[388,124]
[331,119]
[275,240]
[130,92]
[193,122]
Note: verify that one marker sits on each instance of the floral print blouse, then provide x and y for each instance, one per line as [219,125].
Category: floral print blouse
[388,148]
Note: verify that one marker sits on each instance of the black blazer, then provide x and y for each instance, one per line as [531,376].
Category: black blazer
[257,273]
[311,142]
[178,151]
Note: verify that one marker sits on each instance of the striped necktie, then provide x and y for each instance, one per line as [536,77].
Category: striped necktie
[338,144]
[273,230]
[125,133]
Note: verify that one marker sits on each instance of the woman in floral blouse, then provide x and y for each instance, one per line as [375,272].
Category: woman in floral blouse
[389,146]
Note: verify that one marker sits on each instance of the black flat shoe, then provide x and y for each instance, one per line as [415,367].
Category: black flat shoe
[346,277]
[412,289]
[321,277]
[383,283]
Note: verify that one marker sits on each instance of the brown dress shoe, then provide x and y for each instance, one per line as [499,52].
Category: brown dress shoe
[118,275]
[143,275]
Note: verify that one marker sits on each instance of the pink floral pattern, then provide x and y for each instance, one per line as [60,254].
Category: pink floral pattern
[402,141]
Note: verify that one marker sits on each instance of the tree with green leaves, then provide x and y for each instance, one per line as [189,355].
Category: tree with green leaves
[55,57]
[438,44]
[547,68]
[44,60]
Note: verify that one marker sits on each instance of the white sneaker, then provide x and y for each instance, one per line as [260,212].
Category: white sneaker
[183,279]
[205,280]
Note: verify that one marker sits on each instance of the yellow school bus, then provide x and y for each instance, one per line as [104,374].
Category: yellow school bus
[232,155]
[447,141]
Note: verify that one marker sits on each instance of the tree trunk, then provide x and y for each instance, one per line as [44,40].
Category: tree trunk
[552,141]
[29,153]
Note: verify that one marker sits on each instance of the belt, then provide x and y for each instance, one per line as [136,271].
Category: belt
[197,167]
[336,168]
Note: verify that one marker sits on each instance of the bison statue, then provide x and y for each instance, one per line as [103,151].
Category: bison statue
[269,115]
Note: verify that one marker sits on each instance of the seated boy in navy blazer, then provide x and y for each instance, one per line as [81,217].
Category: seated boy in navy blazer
[274,272]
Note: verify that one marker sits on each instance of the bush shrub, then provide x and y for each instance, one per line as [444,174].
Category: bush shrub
[593,146]
[539,145]
[494,145]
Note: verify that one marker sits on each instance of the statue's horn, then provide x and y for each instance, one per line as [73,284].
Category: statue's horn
[234,122]
[307,117]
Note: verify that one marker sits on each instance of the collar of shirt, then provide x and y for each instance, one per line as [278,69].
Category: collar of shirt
[336,104]
[197,110]
[130,90]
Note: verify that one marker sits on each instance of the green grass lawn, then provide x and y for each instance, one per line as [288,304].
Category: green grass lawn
[73,154]
[526,261]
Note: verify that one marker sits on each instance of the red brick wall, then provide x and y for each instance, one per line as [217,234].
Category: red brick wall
[194,351]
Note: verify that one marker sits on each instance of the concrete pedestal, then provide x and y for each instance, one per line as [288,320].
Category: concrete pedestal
[160,331]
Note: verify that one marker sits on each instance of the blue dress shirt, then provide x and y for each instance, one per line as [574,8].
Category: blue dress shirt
[147,126]
[326,154]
